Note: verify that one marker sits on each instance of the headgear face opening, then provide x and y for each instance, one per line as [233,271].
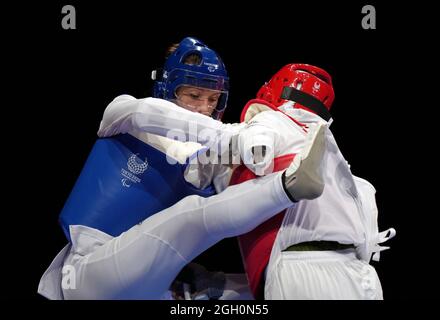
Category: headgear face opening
[309,88]
[210,73]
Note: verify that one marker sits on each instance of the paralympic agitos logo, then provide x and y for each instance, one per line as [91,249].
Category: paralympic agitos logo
[135,167]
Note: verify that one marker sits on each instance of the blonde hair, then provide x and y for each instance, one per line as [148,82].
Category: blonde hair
[193,58]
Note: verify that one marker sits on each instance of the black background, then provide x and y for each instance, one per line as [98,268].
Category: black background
[62,80]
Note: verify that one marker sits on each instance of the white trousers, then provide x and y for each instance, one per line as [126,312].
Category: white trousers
[142,262]
[322,275]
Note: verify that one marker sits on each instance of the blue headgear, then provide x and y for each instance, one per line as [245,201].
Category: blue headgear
[210,73]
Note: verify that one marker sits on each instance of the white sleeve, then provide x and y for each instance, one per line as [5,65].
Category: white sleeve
[118,115]
[165,118]
[202,175]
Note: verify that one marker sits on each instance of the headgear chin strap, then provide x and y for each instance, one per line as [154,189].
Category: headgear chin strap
[306,100]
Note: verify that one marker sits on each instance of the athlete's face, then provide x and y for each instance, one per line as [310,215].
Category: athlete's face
[197,99]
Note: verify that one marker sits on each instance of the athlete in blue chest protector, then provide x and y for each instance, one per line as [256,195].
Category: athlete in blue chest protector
[140,211]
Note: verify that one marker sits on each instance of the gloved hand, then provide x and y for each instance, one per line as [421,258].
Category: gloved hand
[303,179]
[257,147]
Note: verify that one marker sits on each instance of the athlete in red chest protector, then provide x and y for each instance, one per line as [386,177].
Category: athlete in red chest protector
[294,86]
[318,248]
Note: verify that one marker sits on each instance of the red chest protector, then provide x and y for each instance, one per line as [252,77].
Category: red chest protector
[256,245]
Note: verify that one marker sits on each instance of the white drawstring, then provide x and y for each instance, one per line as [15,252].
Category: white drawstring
[381,238]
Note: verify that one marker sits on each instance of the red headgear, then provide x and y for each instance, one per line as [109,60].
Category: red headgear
[309,87]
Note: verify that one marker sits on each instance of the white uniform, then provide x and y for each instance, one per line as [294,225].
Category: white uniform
[142,262]
[346,213]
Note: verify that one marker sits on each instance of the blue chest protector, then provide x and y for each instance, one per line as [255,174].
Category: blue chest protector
[123,182]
